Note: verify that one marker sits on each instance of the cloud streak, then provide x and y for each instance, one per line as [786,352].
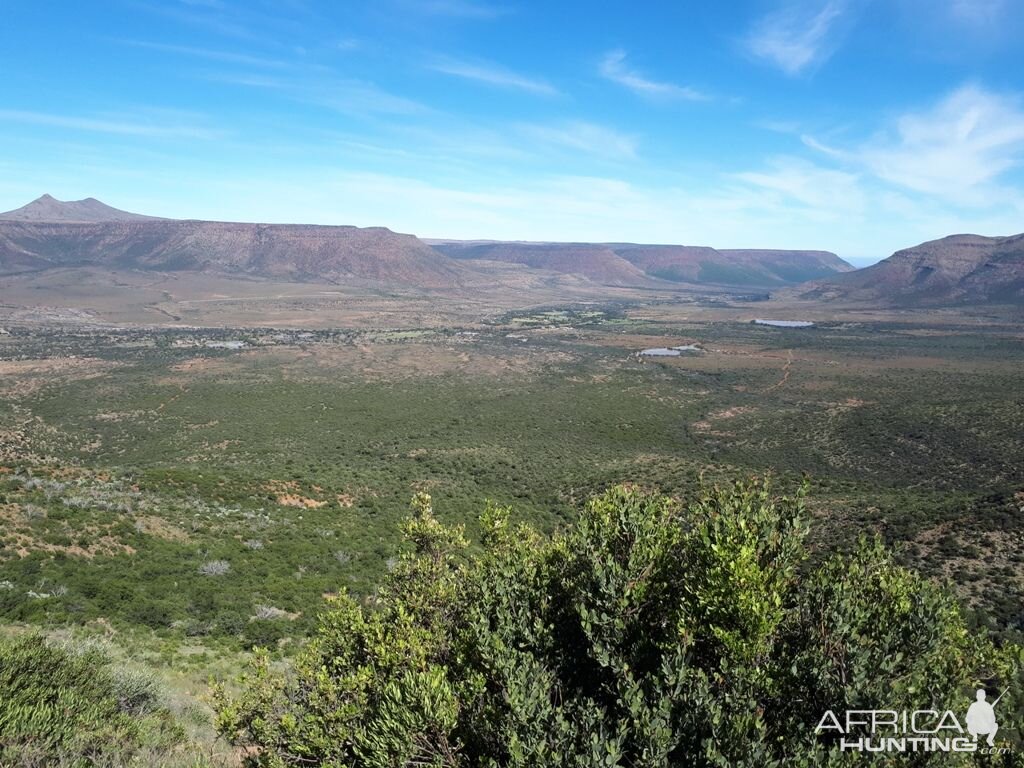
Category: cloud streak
[491,74]
[351,97]
[155,129]
[227,57]
[957,151]
[613,67]
[459,9]
[981,13]
[797,37]
[580,136]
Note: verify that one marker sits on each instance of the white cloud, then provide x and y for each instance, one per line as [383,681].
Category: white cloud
[351,97]
[583,137]
[977,12]
[613,67]
[824,191]
[493,75]
[461,9]
[797,36]
[155,125]
[956,151]
[966,142]
[229,57]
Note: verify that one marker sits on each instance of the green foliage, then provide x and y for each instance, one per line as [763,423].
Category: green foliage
[167,462]
[651,633]
[68,706]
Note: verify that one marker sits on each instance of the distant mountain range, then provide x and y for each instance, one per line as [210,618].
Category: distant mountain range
[959,269]
[630,264]
[50,209]
[48,233]
[120,240]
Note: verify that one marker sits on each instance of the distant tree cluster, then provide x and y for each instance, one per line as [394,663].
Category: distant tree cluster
[651,633]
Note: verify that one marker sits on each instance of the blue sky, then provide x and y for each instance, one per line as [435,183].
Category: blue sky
[858,126]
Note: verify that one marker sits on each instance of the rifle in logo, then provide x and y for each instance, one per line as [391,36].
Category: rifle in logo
[981,717]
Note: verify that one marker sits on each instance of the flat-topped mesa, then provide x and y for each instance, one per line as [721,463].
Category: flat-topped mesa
[48,233]
[643,265]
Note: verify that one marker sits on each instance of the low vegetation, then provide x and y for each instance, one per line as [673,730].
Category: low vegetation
[651,633]
[68,705]
[188,500]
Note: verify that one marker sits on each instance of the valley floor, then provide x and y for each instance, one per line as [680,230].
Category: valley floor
[190,492]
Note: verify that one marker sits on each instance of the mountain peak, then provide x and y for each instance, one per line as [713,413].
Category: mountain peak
[49,209]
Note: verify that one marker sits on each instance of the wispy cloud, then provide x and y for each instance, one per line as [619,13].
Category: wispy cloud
[967,141]
[977,12]
[214,17]
[228,57]
[828,191]
[613,67]
[465,9]
[348,44]
[797,36]
[957,150]
[158,125]
[492,74]
[584,137]
[342,95]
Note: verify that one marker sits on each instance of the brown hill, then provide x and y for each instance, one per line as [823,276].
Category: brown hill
[647,265]
[789,266]
[959,269]
[293,251]
[48,233]
[50,209]
[595,261]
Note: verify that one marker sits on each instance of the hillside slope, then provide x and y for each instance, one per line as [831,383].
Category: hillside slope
[595,261]
[47,208]
[48,233]
[959,269]
[646,265]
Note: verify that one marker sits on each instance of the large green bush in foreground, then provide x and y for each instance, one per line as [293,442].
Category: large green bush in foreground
[652,633]
[70,706]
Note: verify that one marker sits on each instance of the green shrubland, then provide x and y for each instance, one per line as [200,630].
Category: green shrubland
[71,706]
[650,633]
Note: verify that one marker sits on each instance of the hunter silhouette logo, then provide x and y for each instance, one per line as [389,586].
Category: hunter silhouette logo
[921,730]
[981,717]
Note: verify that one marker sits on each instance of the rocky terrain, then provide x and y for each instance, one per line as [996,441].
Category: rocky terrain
[49,234]
[291,251]
[643,265]
[959,269]
[49,209]
[595,261]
